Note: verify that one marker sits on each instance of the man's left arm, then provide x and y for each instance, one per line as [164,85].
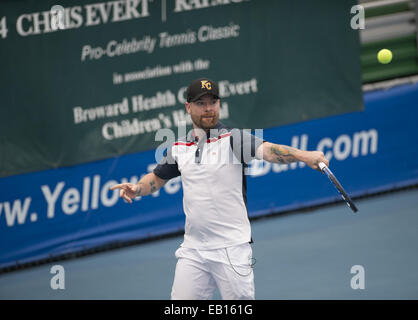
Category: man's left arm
[278,153]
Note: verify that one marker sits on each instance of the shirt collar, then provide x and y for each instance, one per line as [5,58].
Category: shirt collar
[192,137]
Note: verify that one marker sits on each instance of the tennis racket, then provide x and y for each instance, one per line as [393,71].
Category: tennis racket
[338,186]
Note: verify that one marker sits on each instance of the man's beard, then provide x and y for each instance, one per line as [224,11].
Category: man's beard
[206,123]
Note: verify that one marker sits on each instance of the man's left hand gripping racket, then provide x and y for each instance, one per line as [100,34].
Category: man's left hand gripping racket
[337,185]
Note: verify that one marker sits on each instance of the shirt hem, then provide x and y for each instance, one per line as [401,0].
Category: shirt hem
[214,246]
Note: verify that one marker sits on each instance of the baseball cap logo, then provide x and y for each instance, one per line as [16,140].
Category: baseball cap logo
[206,84]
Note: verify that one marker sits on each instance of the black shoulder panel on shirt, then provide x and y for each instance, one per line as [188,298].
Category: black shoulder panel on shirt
[167,168]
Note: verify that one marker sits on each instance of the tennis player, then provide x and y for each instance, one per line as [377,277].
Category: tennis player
[212,161]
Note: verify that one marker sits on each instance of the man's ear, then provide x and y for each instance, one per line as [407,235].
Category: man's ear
[187,107]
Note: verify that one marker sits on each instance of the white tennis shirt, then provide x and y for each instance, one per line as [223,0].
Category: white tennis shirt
[214,185]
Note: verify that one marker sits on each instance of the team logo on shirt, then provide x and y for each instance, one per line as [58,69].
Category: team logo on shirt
[206,84]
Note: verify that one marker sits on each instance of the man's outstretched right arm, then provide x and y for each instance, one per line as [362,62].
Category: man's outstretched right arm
[147,185]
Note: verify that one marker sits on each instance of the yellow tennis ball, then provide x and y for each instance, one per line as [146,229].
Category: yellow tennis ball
[384,56]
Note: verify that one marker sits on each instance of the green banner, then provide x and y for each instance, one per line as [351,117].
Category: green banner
[88,80]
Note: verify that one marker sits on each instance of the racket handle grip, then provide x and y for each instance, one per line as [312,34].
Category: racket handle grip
[322,166]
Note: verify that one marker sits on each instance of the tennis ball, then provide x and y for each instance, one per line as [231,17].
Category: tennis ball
[384,56]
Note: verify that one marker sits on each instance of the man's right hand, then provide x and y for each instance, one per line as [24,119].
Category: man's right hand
[128,191]
[148,184]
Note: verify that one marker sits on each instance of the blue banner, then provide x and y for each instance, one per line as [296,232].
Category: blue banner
[49,213]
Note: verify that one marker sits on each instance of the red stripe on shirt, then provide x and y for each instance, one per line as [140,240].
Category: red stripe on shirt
[188,144]
[184,144]
[220,137]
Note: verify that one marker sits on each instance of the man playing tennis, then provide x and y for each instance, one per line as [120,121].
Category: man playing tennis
[212,161]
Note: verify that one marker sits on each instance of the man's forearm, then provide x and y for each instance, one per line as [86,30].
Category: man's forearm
[149,184]
[284,154]
[279,153]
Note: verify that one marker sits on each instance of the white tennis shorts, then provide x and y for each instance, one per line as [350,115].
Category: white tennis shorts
[200,272]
